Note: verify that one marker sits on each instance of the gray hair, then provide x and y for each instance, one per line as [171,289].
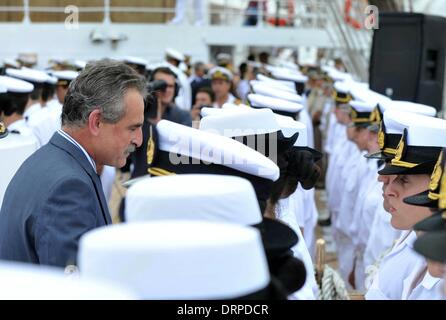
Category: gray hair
[101,85]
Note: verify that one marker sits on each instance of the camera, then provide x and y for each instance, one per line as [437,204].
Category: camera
[151,103]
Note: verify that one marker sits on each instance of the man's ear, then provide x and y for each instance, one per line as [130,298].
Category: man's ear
[94,122]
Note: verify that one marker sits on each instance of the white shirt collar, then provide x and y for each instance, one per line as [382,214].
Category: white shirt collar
[429,281]
[17,125]
[70,139]
[230,99]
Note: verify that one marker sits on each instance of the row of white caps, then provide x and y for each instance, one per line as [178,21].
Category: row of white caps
[177,259]
[150,260]
[422,130]
[232,120]
[365,100]
[37,76]
[10,84]
[214,148]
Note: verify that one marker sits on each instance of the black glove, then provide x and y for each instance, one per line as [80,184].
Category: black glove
[289,271]
[301,167]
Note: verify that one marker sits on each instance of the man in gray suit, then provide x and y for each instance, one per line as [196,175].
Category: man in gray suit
[56,195]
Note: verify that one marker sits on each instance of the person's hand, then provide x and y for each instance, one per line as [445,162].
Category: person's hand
[317,117]
[351,279]
[301,167]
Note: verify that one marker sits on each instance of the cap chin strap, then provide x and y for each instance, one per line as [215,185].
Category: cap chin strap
[345,100]
[360,120]
[433,196]
[403,164]
[390,151]
[154,171]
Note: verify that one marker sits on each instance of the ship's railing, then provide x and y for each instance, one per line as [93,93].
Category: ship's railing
[283,13]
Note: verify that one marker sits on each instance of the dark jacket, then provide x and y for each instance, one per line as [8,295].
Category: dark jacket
[53,199]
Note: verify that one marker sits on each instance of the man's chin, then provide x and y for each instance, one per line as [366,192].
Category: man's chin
[119,164]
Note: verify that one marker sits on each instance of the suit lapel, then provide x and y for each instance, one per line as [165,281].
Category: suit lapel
[100,194]
[62,143]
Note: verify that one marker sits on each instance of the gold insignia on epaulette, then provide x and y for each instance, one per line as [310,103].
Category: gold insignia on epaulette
[150,148]
[436,174]
[2,128]
[442,198]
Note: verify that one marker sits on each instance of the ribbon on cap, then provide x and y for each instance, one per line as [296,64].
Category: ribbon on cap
[154,171]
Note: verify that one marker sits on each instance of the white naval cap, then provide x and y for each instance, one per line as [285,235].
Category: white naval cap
[206,197]
[361,106]
[11,62]
[366,95]
[21,281]
[226,107]
[223,56]
[51,79]
[135,60]
[57,60]
[3,88]
[288,65]
[343,86]
[213,148]
[279,84]
[411,107]
[337,75]
[391,124]
[79,64]
[275,104]
[271,83]
[67,75]
[235,107]
[220,73]
[286,74]
[263,88]
[175,54]
[210,111]
[177,259]
[15,85]
[231,123]
[422,130]
[153,66]
[28,74]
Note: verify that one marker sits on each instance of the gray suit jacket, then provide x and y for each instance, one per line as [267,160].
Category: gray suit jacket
[53,199]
